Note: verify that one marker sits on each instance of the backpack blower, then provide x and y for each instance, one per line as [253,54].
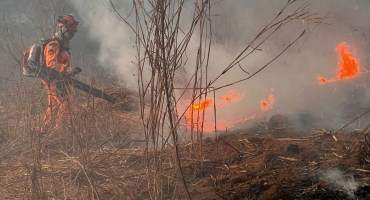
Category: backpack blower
[33,66]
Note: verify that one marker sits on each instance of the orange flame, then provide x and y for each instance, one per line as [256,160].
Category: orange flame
[229,97]
[271,99]
[268,105]
[198,106]
[349,67]
[195,119]
[202,105]
[264,105]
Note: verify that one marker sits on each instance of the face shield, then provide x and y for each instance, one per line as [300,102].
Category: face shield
[67,34]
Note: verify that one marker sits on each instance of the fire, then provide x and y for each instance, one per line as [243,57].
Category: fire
[200,117]
[202,105]
[271,99]
[264,105]
[229,97]
[268,105]
[349,67]
[198,106]
[195,113]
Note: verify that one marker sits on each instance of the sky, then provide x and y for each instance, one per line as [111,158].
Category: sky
[291,79]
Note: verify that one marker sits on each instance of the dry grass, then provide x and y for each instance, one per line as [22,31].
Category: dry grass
[86,158]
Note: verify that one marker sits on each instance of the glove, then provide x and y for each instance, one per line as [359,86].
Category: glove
[26,72]
[72,71]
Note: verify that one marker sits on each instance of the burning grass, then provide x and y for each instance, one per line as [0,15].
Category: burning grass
[348,65]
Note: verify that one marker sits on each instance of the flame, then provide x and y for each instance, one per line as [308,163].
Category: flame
[229,97]
[195,119]
[202,105]
[198,106]
[349,67]
[271,99]
[268,105]
[264,105]
[199,118]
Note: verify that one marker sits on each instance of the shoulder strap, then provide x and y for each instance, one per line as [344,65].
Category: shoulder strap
[44,42]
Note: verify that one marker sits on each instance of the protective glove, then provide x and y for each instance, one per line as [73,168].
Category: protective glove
[26,72]
[72,71]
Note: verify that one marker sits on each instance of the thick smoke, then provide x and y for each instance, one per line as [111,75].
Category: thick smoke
[291,79]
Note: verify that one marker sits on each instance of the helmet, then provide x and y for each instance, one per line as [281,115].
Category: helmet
[69,22]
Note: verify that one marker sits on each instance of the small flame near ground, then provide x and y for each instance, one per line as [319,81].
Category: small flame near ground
[194,114]
[349,67]
[196,109]
[264,105]
[198,119]
[268,105]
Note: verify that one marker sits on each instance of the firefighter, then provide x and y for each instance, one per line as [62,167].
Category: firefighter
[58,57]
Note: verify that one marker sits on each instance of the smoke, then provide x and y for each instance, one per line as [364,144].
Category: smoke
[337,180]
[116,40]
[291,79]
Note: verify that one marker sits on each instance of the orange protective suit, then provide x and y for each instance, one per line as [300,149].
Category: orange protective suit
[58,57]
